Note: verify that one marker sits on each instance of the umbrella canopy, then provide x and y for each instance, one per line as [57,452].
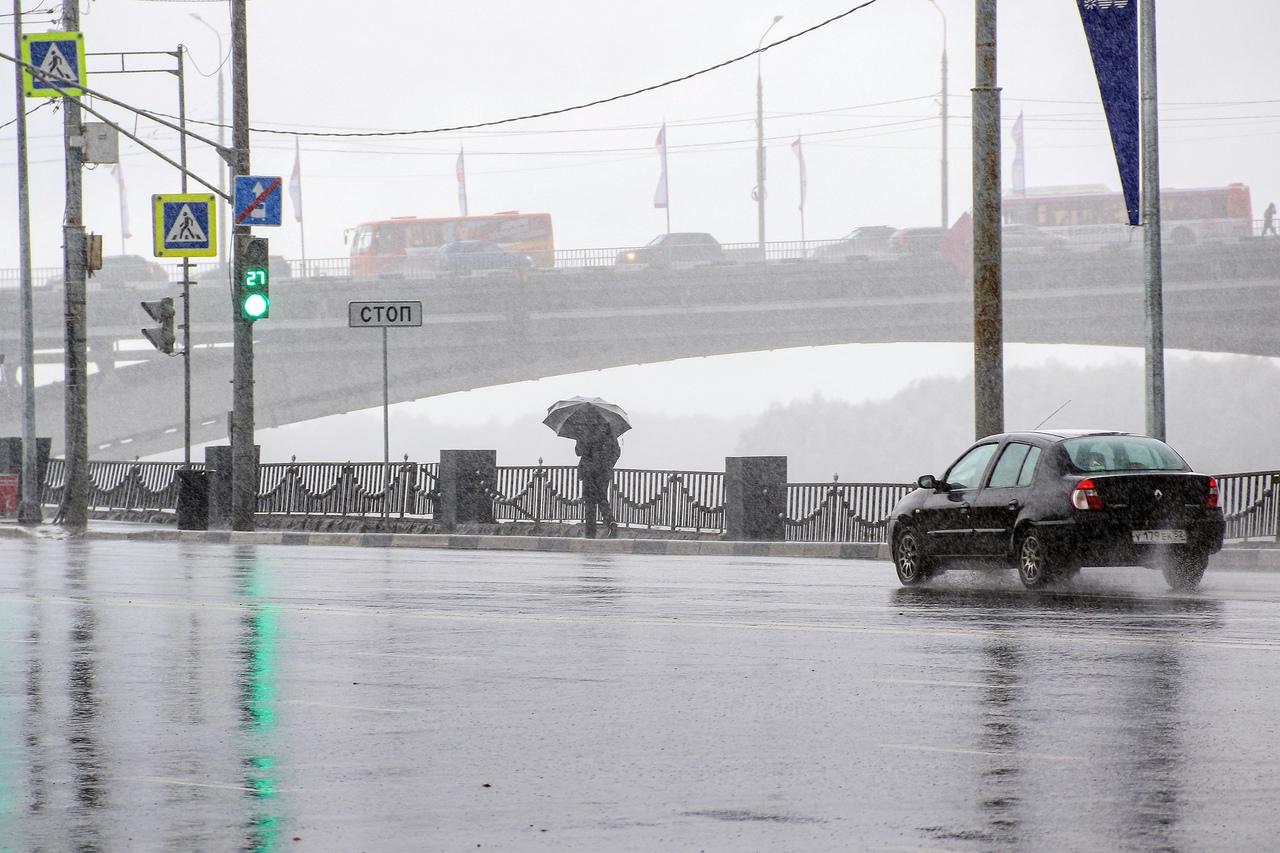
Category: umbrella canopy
[569,418]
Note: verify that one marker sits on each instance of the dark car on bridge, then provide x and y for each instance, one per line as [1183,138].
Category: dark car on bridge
[1048,503]
[462,257]
[675,249]
[863,242]
[917,241]
[123,271]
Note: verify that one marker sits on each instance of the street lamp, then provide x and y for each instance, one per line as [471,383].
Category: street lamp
[759,190]
[945,215]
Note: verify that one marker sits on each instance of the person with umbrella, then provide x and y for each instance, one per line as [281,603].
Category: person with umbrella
[595,426]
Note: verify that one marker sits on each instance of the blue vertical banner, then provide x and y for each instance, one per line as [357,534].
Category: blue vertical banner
[1111,26]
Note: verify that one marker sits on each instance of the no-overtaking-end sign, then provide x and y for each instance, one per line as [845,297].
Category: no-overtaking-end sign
[384,314]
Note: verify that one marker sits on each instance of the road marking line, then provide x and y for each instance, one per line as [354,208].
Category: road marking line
[160,780]
[1046,757]
[349,707]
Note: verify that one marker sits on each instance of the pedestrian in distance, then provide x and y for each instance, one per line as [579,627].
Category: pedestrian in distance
[1269,220]
[598,451]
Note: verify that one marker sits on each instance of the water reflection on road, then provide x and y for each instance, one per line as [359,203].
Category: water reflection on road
[183,696]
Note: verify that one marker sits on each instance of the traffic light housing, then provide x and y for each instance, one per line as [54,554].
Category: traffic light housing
[161,337]
[255,281]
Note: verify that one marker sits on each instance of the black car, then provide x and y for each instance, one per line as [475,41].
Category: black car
[1047,503]
[674,249]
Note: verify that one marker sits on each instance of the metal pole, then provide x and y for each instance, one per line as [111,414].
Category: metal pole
[222,130]
[75,500]
[946,215]
[1152,278]
[988,320]
[29,511]
[186,274]
[760,193]
[386,429]
[244,486]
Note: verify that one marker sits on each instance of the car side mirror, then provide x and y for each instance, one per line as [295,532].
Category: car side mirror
[928,481]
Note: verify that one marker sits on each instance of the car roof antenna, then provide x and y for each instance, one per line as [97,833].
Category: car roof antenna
[1051,414]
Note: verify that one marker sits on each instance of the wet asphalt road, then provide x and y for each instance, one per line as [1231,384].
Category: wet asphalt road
[167,696]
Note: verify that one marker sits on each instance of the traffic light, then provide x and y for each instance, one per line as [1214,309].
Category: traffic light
[161,310]
[255,281]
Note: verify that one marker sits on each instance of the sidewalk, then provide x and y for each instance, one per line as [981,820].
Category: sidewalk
[1243,556]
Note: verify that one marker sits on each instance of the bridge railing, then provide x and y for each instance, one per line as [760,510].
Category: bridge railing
[129,486]
[645,499]
[1249,503]
[348,489]
[690,501]
[841,512]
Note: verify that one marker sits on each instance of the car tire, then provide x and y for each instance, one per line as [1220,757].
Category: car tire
[1183,570]
[1035,567]
[909,560]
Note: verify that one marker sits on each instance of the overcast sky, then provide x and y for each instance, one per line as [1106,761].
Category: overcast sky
[862,91]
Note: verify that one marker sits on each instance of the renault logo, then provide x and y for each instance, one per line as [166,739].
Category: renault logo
[1157,494]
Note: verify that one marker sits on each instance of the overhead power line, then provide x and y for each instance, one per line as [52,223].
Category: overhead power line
[562,110]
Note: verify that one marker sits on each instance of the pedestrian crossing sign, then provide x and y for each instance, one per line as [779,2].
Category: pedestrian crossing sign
[60,58]
[185,225]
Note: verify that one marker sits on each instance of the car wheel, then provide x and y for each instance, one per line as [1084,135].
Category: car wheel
[1035,568]
[1183,570]
[908,558]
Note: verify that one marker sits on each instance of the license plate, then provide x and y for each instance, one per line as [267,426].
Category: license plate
[1160,537]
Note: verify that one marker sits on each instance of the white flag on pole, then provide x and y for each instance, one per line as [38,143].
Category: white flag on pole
[125,233]
[660,194]
[461,170]
[804,181]
[1019,159]
[295,181]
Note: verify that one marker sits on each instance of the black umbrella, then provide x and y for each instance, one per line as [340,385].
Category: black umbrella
[569,418]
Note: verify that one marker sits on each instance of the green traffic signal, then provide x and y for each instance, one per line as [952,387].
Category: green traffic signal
[255,294]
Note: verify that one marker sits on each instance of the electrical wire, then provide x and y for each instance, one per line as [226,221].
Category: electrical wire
[14,120]
[562,110]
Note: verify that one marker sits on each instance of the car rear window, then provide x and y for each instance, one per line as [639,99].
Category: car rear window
[1009,465]
[1122,453]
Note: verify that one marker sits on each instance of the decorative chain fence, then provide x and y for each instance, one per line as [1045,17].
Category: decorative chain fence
[347,489]
[654,500]
[841,512]
[689,501]
[131,486]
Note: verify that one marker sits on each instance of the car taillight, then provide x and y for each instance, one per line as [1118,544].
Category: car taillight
[1085,496]
[1211,502]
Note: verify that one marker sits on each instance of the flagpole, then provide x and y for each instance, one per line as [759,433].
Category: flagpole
[1152,279]
[302,223]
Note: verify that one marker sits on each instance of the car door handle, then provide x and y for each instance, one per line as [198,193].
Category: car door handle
[1013,505]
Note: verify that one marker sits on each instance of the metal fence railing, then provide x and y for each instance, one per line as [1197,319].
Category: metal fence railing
[1249,503]
[645,499]
[130,486]
[348,489]
[684,501]
[841,512]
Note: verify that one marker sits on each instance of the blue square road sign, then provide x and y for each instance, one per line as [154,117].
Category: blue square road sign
[257,200]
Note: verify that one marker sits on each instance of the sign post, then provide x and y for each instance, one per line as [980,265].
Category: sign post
[384,315]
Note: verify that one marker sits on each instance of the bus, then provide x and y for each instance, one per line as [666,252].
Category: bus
[1094,214]
[383,246]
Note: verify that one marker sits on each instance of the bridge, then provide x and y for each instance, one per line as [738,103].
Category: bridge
[494,329]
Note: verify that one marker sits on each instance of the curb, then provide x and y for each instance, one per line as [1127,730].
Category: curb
[1239,559]
[482,542]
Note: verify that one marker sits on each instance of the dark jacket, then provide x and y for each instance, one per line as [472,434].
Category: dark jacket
[599,451]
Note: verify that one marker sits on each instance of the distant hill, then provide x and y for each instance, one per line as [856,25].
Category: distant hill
[1222,416]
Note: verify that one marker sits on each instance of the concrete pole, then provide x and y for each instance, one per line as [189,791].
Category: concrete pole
[75,496]
[186,272]
[29,501]
[988,320]
[1152,277]
[244,469]
[946,213]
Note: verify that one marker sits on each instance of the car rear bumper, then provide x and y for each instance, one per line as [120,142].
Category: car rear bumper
[1107,542]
